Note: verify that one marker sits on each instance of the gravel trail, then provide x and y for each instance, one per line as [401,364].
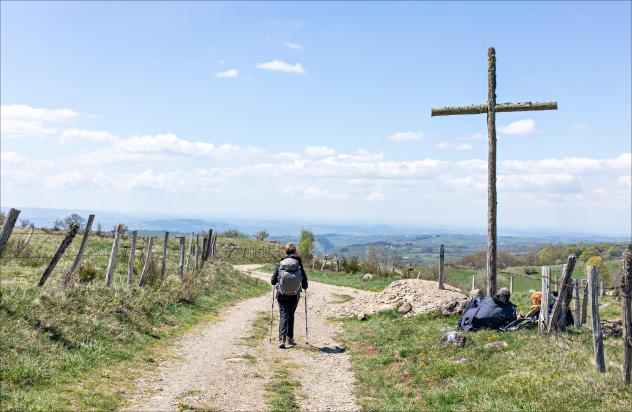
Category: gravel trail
[215,367]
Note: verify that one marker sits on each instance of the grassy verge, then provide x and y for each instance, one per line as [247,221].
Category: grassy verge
[76,349]
[282,389]
[400,365]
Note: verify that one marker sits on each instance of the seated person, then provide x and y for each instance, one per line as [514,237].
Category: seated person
[490,313]
[534,310]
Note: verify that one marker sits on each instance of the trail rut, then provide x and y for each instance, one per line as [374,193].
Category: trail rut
[215,366]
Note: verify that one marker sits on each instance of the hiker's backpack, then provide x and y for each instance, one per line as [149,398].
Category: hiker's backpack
[289,277]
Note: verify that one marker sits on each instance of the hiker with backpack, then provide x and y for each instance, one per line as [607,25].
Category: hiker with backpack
[289,277]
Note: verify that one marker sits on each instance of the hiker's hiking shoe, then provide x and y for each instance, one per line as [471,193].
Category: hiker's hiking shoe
[281,344]
[291,342]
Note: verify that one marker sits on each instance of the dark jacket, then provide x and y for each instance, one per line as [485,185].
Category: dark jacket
[275,275]
[490,313]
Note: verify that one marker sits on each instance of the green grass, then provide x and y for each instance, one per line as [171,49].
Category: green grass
[281,389]
[400,365]
[80,348]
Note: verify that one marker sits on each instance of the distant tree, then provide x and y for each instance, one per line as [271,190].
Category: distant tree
[306,244]
[58,224]
[99,229]
[598,263]
[74,219]
[262,235]
[234,234]
[25,223]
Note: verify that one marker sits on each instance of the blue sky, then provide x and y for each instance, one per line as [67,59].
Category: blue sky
[318,111]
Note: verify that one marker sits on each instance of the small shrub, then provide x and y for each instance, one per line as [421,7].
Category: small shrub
[87,272]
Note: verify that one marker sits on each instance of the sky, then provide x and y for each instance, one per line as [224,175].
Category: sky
[318,112]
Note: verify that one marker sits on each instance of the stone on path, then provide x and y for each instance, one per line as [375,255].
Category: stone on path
[496,345]
[405,308]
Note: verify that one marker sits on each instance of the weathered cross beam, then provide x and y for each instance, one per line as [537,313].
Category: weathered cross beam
[491,108]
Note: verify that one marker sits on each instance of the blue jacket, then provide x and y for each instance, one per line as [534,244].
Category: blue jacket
[490,313]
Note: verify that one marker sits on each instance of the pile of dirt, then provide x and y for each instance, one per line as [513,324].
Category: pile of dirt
[423,295]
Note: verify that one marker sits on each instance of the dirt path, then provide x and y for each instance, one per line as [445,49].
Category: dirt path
[217,366]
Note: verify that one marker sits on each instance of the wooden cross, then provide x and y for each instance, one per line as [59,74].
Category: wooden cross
[491,108]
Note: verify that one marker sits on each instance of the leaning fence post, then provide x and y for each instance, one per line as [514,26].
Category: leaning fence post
[511,285]
[143,275]
[74,228]
[560,306]
[132,257]
[165,248]
[584,301]
[181,260]
[112,260]
[197,252]
[186,264]
[544,301]
[473,284]
[82,247]
[7,228]
[626,303]
[577,317]
[441,265]
[600,362]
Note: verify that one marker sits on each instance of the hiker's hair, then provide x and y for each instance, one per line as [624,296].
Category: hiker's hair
[290,248]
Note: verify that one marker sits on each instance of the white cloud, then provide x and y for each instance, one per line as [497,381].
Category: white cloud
[17,120]
[286,156]
[24,112]
[281,66]
[405,136]
[476,136]
[520,127]
[454,146]
[165,147]
[293,46]
[69,135]
[319,151]
[227,73]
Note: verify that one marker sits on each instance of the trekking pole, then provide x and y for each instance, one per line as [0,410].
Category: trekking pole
[306,331]
[271,314]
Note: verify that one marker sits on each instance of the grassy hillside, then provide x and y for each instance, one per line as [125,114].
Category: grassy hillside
[79,347]
[59,350]
[400,365]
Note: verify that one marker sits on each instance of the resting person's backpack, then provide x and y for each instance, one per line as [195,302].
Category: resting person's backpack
[289,277]
[523,323]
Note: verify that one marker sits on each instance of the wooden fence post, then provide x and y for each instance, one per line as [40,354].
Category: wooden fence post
[577,317]
[441,266]
[511,284]
[601,291]
[560,306]
[473,281]
[600,362]
[165,249]
[337,265]
[626,307]
[112,261]
[143,275]
[7,228]
[181,261]
[585,301]
[186,264]
[82,247]
[132,257]
[197,252]
[544,302]
[556,285]
[72,231]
